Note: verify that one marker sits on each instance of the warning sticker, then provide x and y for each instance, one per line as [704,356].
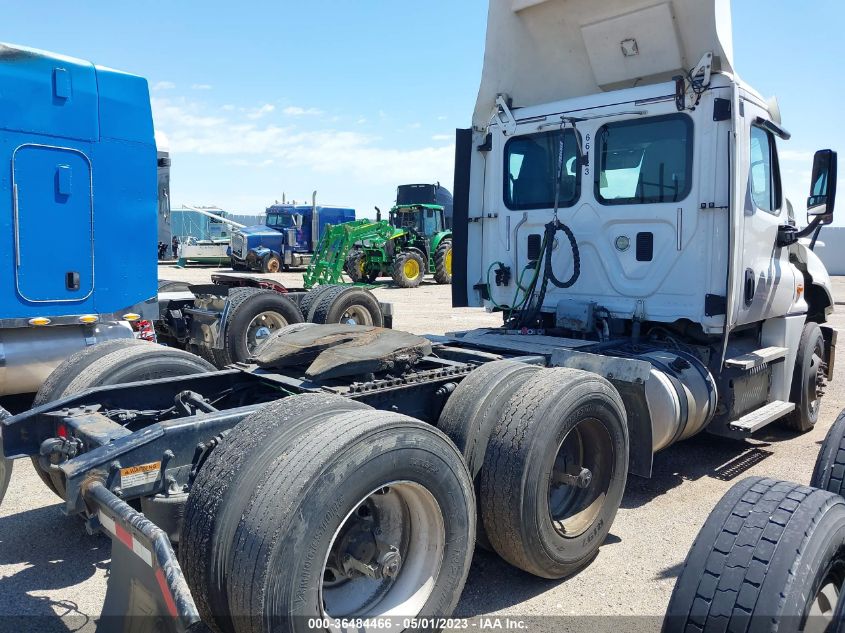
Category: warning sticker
[139,475]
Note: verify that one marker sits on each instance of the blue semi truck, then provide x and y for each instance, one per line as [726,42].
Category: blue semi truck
[288,237]
[60,288]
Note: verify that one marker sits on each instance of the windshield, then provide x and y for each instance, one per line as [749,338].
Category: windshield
[278,220]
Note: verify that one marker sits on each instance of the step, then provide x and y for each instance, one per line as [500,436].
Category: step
[756,420]
[757,358]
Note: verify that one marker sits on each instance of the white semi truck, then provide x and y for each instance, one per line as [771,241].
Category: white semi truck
[618,198]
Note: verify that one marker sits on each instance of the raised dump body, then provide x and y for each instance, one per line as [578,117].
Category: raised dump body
[77,210]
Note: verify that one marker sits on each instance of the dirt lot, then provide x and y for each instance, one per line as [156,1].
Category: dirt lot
[49,566]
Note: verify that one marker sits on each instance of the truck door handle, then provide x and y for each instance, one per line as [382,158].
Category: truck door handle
[72,281]
[750,286]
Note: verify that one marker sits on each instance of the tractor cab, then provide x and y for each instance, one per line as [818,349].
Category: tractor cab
[426,220]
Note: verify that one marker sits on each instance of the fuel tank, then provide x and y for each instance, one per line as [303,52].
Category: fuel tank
[681,395]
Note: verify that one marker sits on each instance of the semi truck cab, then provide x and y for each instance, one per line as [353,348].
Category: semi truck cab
[79,184]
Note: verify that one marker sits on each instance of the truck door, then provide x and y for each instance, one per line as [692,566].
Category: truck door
[53,223]
[763,290]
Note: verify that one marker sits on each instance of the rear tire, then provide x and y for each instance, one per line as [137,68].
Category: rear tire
[123,364]
[289,557]
[443,262]
[474,409]
[57,382]
[348,305]
[311,296]
[829,472]
[253,315]
[559,423]
[408,269]
[767,553]
[6,475]
[808,372]
[225,484]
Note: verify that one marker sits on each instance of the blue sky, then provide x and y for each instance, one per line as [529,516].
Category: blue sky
[257,99]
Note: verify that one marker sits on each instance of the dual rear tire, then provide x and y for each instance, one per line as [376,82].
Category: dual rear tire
[278,530]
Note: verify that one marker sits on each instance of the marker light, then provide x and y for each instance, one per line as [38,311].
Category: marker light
[88,318]
[131,316]
[39,321]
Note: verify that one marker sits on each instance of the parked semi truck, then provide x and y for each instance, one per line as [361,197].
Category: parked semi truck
[288,238]
[618,199]
[78,209]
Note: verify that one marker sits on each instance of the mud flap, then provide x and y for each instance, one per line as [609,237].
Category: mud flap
[146,590]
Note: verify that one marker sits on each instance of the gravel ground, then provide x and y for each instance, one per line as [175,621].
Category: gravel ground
[49,566]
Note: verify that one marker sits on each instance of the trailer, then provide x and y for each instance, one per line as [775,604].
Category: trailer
[340,477]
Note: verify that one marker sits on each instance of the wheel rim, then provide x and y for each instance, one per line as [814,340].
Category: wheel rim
[273,266]
[357,315]
[816,381]
[447,261]
[385,557]
[411,269]
[580,478]
[261,327]
[824,604]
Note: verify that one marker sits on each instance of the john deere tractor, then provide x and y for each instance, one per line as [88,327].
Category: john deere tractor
[420,243]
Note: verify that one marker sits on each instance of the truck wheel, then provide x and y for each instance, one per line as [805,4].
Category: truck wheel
[344,304]
[808,380]
[6,475]
[829,473]
[271,264]
[236,265]
[172,286]
[253,315]
[770,555]
[472,411]
[145,361]
[57,382]
[310,297]
[394,540]
[225,483]
[443,262]
[554,472]
[408,269]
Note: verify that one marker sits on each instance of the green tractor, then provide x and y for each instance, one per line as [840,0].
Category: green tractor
[421,242]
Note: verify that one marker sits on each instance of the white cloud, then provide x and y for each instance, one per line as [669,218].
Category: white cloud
[298,111]
[259,112]
[796,155]
[441,118]
[442,137]
[342,153]
[201,87]
[361,120]
[162,141]
[415,125]
[163,85]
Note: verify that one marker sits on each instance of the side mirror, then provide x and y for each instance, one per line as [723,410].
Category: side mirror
[823,186]
[297,220]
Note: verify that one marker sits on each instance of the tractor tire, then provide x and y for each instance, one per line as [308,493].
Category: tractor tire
[172,286]
[310,297]
[410,490]
[354,266]
[224,485]
[6,475]
[535,519]
[57,382]
[252,315]
[345,304]
[144,361]
[806,380]
[443,262]
[770,553]
[829,472]
[271,264]
[408,269]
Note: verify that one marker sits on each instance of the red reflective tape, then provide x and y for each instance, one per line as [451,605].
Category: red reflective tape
[165,591]
[123,535]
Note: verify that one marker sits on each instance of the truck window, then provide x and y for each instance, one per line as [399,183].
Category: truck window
[530,166]
[765,174]
[645,161]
